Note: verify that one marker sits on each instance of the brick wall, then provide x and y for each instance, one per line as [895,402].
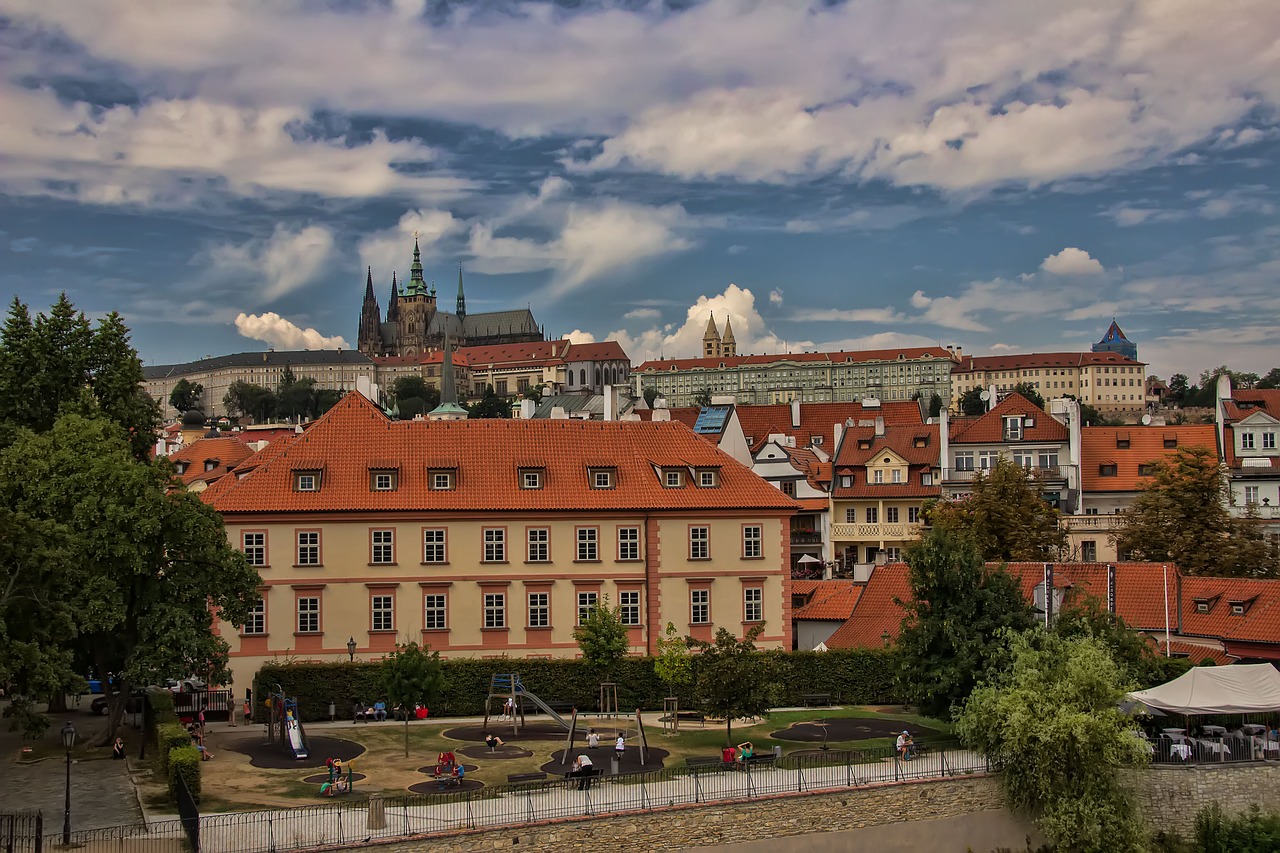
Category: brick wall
[1170,797]
[697,826]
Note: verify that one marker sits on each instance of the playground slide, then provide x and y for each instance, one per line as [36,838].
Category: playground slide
[543,705]
[297,740]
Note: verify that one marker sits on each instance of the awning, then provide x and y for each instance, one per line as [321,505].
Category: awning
[1235,689]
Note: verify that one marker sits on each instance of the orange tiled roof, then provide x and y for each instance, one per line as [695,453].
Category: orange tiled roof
[989,428]
[876,611]
[597,351]
[1022,361]
[818,419]
[907,353]
[1246,401]
[223,453]
[917,444]
[432,357]
[1195,652]
[1139,587]
[1100,445]
[343,441]
[831,601]
[1260,623]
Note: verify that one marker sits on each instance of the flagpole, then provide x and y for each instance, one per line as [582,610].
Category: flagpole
[1166,610]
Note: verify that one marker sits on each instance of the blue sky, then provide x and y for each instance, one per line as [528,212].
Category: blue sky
[1000,175]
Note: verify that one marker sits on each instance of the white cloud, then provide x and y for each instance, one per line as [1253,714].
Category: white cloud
[849,315]
[877,341]
[580,337]
[283,262]
[775,296]
[642,314]
[1071,261]
[392,249]
[280,333]
[1238,200]
[736,249]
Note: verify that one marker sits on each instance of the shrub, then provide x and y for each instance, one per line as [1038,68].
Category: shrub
[170,736]
[184,761]
[161,704]
[1254,831]
[852,676]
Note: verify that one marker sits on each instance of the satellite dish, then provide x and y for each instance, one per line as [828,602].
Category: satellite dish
[1146,420]
[985,395]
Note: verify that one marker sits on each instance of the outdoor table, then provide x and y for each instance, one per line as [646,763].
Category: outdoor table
[1215,747]
[1174,731]
[1253,729]
[1181,750]
[1214,730]
[1271,747]
[1177,737]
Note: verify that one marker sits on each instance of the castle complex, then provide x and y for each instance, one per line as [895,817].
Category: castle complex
[414,325]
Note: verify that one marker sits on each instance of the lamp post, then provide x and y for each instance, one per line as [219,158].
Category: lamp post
[351,649]
[68,740]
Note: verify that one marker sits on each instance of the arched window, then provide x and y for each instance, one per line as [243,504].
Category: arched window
[582,376]
[597,376]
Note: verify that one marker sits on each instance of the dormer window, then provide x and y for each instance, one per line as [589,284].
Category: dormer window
[180,467]
[306,481]
[846,481]
[708,479]
[602,479]
[531,479]
[441,481]
[382,481]
[1240,607]
[210,464]
[1170,442]
[1202,607]
[816,441]
[1013,428]
[1122,441]
[671,478]
[1237,610]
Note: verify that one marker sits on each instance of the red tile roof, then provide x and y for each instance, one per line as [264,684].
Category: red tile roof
[223,454]
[876,610]
[1099,446]
[1194,651]
[597,351]
[1022,361]
[1139,588]
[906,353]
[1246,401]
[818,419]
[432,357]
[830,601]
[355,431]
[918,445]
[1260,622]
[989,428]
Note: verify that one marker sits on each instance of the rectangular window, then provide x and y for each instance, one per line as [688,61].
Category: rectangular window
[752,542]
[495,545]
[893,554]
[877,476]
[308,547]
[1089,551]
[1048,459]
[435,611]
[384,613]
[788,488]
[383,547]
[913,515]
[531,479]
[1268,441]
[753,604]
[306,481]
[672,479]
[1107,470]
[588,541]
[256,624]
[850,515]
[895,475]
[586,601]
[495,610]
[1246,441]
[433,545]
[309,615]
[1023,458]
[629,607]
[891,514]
[873,515]
[539,610]
[1013,428]
[602,479]
[699,543]
[926,478]
[383,481]
[699,606]
[1251,495]
[628,543]
[254,546]
[964,461]
[707,479]
[987,459]
[441,481]
[539,544]
[846,481]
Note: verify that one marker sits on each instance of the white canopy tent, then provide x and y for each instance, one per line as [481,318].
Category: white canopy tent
[1235,689]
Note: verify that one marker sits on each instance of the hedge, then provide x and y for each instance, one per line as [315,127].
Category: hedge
[170,736]
[161,704]
[184,761]
[851,676]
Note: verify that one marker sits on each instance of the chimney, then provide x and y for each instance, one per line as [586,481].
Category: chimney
[1111,588]
[559,414]
[795,414]
[610,403]
[160,448]
[661,414]
[837,433]
[526,409]
[879,425]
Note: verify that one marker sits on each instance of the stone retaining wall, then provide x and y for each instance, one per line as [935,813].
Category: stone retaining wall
[1171,797]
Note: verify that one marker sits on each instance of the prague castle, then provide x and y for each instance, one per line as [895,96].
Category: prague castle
[413,324]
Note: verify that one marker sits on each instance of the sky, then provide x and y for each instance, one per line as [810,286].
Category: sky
[1003,176]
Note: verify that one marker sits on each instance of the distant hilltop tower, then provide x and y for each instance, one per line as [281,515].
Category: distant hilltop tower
[716,346]
[1115,341]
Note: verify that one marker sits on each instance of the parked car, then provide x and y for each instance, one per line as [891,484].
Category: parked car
[131,706]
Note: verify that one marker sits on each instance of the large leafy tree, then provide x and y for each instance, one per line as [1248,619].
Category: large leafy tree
[414,396]
[1181,517]
[1084,616]
[1270,380]
[1050,722]
[958,608]
[1030,392]
[295,398]
[1004,516]
[490,406]
[412,675]
[602,637]
[971,402]
[185,395]
[246,399]
[732,678]
[151,563]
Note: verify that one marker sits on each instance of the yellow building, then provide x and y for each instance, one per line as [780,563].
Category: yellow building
[1107,381]
[491,538]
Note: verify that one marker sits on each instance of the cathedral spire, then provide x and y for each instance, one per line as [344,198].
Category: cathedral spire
[730,345]
[462,299]
[417,286]
[448,410]
[393,304]
[369,334]
[368,286]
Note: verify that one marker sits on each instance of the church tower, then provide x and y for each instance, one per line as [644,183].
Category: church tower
[711,345]
[461,309]
[729,345]
[393,304]
[369,337]
[417,308]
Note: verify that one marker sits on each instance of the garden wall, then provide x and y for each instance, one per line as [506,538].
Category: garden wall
[1171,797]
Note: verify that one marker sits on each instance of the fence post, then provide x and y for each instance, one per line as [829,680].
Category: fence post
[39,832]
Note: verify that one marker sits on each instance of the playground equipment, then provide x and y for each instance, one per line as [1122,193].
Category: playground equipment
[671,715]
[337,784]
[608,699]
[510,691]
[642,742]
[285,724]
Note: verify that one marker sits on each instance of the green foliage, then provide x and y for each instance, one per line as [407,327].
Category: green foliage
[1050,722]
[295,398]
[650,394]
[490,406]
[1181,518]
[411,676]
[958,609]
[673,664]
[853,676]
[1270,380]
[1029,390]
[703,398]
[326,399]
[1089,416]
[732,679]
[414,396]
[185,395]
[971,402]
[170,736]
[162,713]
[1084,616]
[244,399]
[935,404]
[1004,516]
[1251,832]
[184,761]
[534,392]
[602,637]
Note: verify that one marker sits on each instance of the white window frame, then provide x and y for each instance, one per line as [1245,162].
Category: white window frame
[1246,441]
[255,551]
[891,515]
[628,544]
[538,545]
[382,546]
[1268,441]
[1251,496]
[531,479]
[435,611]
[495,610]
[539,604]
[699,542]
[699,607]
[308,614]
[382,612]
[256,623]
[753,604]
[441,481]
[432,546]
[586,601]
[672,479]
[629,607]
[310,548]
[495,545]
[752,541]
[588,540]
[384,481]
[913,515]
[306,481]
[602,479]
[707,479]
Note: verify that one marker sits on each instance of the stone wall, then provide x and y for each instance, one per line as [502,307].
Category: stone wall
[1171,797]
[727,823]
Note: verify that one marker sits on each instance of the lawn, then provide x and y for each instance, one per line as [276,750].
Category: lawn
[231,783]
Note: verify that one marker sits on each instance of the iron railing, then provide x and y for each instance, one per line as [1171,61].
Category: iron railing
[21,832]
[1228,749]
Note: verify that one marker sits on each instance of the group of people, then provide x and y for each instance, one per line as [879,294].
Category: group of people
[738,756]
[619,745]
[195,728]
[337,784]
[448,770]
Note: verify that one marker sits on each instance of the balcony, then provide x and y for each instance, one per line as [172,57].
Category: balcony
[894,531]
[1090,523]
[806,537]
[965,475]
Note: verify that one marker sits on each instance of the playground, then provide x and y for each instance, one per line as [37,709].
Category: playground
[283,763]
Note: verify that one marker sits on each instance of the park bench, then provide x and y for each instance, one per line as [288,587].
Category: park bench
[811,700]
[516,778]
[707,762]
[766,759]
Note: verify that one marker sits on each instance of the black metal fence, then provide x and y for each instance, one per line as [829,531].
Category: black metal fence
[1221,749]
[188,812]
[215,703]
[21,832]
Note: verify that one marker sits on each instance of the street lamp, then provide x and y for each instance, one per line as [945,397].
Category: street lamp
[885,637]
[68,740]
[351,648]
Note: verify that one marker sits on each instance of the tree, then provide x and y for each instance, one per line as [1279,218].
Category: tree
[703,398]
[602,637]
[152,562]
[534,392]
[650,394]
[958,608]
[1004,516]
[246,399]
[732,679]
[935,404]
[673,663]
[185,395]
[1270,380]
[1030,392]
[295,398]
[409,386]
[490,406]
[413,396]
[1051,723]
[1084,616]
[412,676]
[1181,517]
[1089,416]
[971,402]
[1179,385]
[326,399]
